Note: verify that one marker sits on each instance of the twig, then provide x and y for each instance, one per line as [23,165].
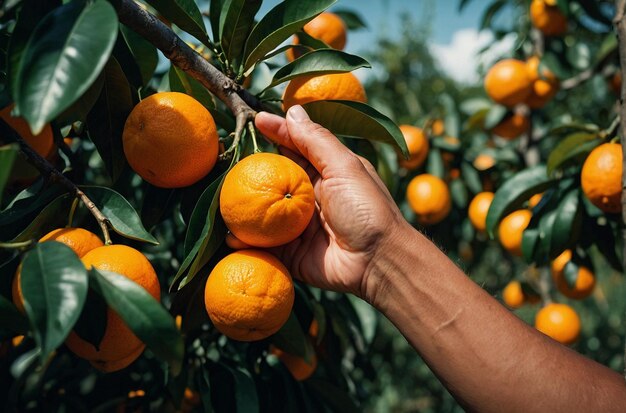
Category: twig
[240,102]
[54,175]
[620,25]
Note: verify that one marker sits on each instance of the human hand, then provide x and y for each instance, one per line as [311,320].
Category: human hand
[355,214]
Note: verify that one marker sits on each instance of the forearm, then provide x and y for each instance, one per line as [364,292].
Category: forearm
[487,358]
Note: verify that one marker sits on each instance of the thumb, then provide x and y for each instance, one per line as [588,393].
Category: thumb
[316,143]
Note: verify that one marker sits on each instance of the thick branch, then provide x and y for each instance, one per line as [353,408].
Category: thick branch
[54,175]
[238,99]
[620,25]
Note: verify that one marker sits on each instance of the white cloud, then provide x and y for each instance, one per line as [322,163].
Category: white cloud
[460,57]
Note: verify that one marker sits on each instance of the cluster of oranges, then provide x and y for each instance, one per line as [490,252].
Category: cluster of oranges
[119,346]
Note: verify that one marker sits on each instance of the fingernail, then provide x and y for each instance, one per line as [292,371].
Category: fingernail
[297,113]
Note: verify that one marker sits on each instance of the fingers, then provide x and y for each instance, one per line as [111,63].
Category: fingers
[372,172]
[320,147]
[275,128]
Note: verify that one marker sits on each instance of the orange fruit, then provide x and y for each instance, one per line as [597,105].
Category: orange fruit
[119,346]
[513,295]
[512,126]
[585,282]
[615,83]
[249,295]
[558,321]
[534,200]
[478,208]
[601,177]
[314,328]
[508,82]
[79,240]
[42,143]
[544,85]
[429,198]
[336,86]
[170,140]
[327,27]
[191,399]
[484,162]
[437,128]
[235,243]
[511,230]
[417,143]
[547,18]
[297,366]
[267,200]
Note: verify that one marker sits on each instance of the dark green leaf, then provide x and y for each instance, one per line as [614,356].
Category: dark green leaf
[123,218]
[184,14]
[451,119]
[144,315]
[92,323]
[182,82]
[608,46]
[106,120]
[238,19]
[546,231]
[79,110]
[494,116]
[215,15]
[293,340]
[573,148]
[356,120]
[278,24]
[54,215]
[54,287]
[11,319]
[570,273]
[459,193]
[63,58]
[434,163]
[246,397]
[156,203]
[144,53]
[530,241]
[351,19]
[7,156]
[471,177]
[512,194]
[316,62]
[567,224]
[332,395]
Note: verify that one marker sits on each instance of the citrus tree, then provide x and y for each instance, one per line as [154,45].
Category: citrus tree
[135,211]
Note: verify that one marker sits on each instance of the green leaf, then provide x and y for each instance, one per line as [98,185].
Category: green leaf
[494,116]
[356,120]
[156,204]
[546,232]
[63,58]
[459,193]
[54,215]
[514,192]
[54,287]
[351,19]
[572,149]
[11,319]
[293,340]
[278,24]
[570,273]
[123,218]
[79,110]
[92,323]
[434,163]
[144,53]
[238,19]
[184,14]
[608,46]
[530,241]
[471,177]
[7,156]
[105,121]
[182,82]
[316,62]
[215,15]
[451,119]
[331,395]
[568,223]
[144,315]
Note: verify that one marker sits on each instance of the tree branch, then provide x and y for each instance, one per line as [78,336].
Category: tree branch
[241,103]
[54,175]
[620,25]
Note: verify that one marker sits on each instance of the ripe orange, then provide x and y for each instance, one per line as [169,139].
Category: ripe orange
[534,200]
[417,143]
[484,162]
[297,366]
[170,140]
[429,198]
[235,243]
[544,85]
[547,18]
[508,83]
[337,86]
[43,143]
[558,321]
[511,230]
[79,240]
[249,295]
[327,27]
[513,295]
[119,346]
[512,126]
[437,128]
[478,208]
[585,282]
[601,177]
[267,200]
